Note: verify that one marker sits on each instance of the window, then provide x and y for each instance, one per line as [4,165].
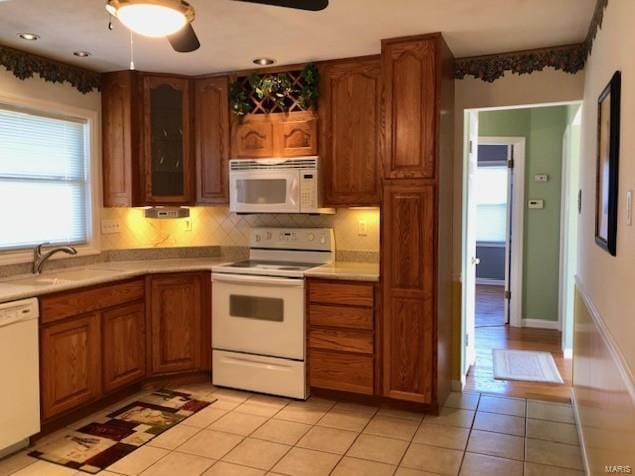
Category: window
[491,203]
[44,180]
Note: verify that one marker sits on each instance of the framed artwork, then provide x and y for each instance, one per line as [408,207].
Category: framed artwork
[607,176]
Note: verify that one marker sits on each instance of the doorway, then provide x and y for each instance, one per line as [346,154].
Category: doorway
[518,226]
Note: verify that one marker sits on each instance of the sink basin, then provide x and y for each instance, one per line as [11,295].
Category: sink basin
[65,277]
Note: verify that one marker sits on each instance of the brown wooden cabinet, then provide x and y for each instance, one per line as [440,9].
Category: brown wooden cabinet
[416,218]
[291,134]
[410,75]
[350,99]
[147,140]
[124,345]
[341,341]
[211,132]
[70,364]
[177,310]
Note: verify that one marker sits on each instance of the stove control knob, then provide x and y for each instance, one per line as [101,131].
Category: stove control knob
[310,237]
[322,239]
[258,238]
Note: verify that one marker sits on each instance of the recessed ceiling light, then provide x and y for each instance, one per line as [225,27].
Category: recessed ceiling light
[29,36]
[81,54]
[264,61]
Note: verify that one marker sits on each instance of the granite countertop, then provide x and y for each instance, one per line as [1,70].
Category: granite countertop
[346,270]
[26,285]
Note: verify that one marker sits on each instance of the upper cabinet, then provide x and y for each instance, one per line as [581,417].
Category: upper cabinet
[167,157]
[211,132]
[349,121]
[149,151]
[411,82]
[292,134]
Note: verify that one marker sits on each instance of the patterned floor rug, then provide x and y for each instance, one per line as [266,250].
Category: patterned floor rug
[99,444]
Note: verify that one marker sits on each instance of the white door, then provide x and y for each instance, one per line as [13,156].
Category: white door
[258,315]
[470,259]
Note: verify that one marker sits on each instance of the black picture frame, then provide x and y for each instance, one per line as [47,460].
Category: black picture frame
[607,165]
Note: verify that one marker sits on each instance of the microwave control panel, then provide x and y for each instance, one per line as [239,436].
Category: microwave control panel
[308,190]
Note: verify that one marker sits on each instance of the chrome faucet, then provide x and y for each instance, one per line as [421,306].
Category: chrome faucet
[39,258]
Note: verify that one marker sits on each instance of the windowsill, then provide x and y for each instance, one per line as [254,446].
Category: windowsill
[26,256]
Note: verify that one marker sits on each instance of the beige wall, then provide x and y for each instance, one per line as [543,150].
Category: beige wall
[604,354]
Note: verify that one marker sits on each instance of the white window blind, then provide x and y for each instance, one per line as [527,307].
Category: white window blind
[44,184]
[491,203]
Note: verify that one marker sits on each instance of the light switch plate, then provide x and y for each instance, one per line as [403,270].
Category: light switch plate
[541,177]
[188,224]
[536,204]
[362,228]
[109,227]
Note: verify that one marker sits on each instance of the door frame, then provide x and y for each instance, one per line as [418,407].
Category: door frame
[517,224]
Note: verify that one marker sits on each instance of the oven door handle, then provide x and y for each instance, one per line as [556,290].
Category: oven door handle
[257,280]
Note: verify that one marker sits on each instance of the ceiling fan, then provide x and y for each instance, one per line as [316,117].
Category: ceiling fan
[173,18]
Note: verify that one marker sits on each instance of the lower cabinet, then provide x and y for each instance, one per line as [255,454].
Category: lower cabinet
[341,338]
[124,345]
[71,364]
[177,313]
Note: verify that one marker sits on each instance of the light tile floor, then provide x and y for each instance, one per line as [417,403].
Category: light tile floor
[245,434]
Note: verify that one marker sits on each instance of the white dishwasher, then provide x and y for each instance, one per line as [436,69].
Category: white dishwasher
[19,374]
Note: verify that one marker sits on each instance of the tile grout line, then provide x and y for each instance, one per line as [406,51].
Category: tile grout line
[469,434]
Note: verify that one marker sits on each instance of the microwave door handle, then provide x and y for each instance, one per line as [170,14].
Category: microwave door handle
[294,193]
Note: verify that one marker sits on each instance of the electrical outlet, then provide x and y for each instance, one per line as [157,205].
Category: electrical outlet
[109,227]
[362,228]
[188,224]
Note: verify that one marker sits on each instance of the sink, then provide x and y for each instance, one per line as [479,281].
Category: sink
[65,277]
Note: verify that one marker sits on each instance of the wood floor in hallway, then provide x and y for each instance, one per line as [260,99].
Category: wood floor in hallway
[481,376]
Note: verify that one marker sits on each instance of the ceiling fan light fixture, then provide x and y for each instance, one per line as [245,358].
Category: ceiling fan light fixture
[153,18]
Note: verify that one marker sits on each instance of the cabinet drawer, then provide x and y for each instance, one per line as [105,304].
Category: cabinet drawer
[74,303]
[342,340]
[341,316]
[339,371]
[347,294]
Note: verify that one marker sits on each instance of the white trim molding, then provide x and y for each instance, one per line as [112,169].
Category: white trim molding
[541,324]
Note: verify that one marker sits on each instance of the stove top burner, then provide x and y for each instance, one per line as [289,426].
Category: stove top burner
[272,265]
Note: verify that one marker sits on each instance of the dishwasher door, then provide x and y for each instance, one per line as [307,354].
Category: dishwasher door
[19,372]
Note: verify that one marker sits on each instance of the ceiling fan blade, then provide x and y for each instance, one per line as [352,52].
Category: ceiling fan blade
[184,40]
[312,5]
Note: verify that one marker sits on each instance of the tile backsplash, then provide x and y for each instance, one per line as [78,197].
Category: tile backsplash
[216,226]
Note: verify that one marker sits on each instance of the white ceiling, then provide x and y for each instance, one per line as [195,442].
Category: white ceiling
[233,33]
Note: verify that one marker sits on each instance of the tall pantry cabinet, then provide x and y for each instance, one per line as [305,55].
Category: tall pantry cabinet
[418,100]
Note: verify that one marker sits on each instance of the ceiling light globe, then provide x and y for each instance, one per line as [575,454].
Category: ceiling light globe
[150,19]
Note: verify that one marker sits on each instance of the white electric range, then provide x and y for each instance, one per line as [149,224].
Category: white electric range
[259,322]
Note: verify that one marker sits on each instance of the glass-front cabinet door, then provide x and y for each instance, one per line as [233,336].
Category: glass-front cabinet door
[167,144]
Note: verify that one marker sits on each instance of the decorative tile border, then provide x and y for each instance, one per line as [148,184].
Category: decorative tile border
[24,65]
[569,58]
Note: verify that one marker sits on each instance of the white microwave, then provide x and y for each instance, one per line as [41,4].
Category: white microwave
[275,185]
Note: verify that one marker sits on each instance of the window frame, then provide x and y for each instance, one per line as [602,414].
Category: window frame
[93,170]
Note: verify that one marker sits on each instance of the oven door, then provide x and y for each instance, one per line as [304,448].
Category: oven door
[258,315]
[264,191]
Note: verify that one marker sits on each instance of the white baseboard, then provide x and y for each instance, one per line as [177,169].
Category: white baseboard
[457,385]
[490,282]
[568,353]
[541,324]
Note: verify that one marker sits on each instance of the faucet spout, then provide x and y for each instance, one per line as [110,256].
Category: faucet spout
[40,258]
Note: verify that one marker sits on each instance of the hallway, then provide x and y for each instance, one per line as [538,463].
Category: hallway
[492,333]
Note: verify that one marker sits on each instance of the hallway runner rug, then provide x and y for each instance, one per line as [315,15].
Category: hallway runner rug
[525,365]
[99,444]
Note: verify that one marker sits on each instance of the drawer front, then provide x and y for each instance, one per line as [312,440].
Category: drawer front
[346,294]
[339,371]
[341,340]
[341,316]
[74,303]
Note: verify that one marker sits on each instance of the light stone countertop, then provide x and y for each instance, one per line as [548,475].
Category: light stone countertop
[346,271]
[27,285]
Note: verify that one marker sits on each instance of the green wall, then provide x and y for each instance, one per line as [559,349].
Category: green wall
[543,129]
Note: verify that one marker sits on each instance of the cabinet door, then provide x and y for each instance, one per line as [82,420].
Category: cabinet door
[119,138]
[212,139]
[252,137]
[349,121]
[124,345]
[169,169]
[295,135]
[176,323]
[70,364]
[409,292]
[410,81]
